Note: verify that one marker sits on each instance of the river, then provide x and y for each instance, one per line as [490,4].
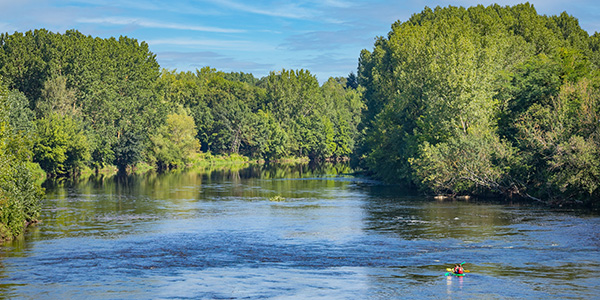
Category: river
[218,234]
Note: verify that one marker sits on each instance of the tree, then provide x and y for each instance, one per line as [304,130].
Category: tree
[482,100]
[19,193]
[344,108]
[57,98]
[352,81]
[128,150]
[559,143]
[109,85]
[229,103]
[269,138]
[174,143]
[20,117]
[61,147]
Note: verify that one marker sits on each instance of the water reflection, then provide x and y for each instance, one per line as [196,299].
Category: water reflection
[419,218]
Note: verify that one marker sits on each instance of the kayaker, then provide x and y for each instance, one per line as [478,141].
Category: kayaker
[458,269]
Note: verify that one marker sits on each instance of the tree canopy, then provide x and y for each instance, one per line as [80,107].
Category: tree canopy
[484,100]
[495,100]
[106,101]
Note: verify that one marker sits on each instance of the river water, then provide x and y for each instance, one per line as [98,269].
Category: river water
[217,234]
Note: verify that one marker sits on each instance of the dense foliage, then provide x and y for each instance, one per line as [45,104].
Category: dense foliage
[100,102]
[485,100]
[19,193]
[284,114]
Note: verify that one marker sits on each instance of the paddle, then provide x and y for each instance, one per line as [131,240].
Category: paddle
[466,271]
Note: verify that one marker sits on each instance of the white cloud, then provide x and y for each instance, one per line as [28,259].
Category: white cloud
[155,24]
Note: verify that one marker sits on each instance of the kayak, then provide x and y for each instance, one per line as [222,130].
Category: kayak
[450,272]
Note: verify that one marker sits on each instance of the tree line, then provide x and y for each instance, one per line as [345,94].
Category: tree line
[71,101]
[93,102]
[457,101]
[487,101]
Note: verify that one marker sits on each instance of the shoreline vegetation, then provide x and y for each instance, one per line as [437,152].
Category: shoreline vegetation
[198,161]
[456,102]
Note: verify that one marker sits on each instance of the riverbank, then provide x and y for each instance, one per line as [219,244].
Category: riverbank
[202,160]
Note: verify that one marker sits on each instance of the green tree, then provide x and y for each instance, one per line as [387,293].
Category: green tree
[19,193]
[57,98]
[21,118]
[269,138]
[174,143]
[229,103]
[294,98]
[344,108]
[464,101]
[61,147]
[559,143]
[107,84]
[128,150]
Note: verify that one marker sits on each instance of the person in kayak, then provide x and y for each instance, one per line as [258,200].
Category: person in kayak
[458,269]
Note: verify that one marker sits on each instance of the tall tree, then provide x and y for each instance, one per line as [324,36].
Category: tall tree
[475,101]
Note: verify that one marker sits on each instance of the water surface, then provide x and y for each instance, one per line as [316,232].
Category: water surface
[216,235]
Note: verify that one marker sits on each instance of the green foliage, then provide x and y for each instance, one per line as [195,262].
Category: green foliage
[108,84]
[344,108]
[128,150]
[57,98]
[319,122]
[174,143]
[560,142]
[269,138]
[21,118]
[472,163]
[61,147]
[483,100]
[229,102]
[105,101]
[19,193]
[285,113]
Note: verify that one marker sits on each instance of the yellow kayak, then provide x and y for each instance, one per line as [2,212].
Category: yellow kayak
[451,272]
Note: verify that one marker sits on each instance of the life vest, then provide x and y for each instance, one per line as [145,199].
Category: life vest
[459,270]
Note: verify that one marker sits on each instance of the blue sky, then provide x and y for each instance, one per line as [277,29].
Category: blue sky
[322,36]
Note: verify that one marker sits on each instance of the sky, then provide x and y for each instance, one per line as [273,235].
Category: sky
[322,36]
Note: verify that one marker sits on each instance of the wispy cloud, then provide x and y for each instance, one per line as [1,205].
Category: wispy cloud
[238,45]
[288,10]
[6,27]
[336,3]
[329,65]
[154,24]
[327,40]
[190,60]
